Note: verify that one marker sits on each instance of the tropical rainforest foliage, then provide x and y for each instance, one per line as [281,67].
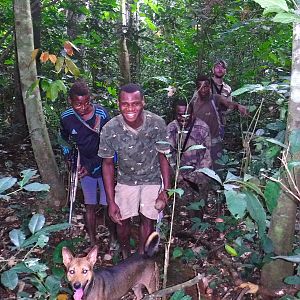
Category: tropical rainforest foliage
[163,45]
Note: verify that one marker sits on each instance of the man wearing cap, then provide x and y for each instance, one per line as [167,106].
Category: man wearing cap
[218,86]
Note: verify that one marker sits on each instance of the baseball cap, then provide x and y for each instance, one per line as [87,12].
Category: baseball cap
[221,62]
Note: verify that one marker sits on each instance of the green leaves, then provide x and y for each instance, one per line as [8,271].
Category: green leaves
[27,175]
[178,191]
[53,88]
[283,13]
[291,258]
[36,223]
[195,147]
[271,193]
[6,183]
[236,203]
[37,187]
[177,252]
[9,279]
[180,295]
[211,173]
[256,212]
[17,237]
[286,17]
[292,280]
[273,5]
[230,250]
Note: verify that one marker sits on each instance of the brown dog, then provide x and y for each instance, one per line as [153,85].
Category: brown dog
[113,282]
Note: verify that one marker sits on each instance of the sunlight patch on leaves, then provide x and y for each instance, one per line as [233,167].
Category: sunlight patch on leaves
[230,250]
[275,4]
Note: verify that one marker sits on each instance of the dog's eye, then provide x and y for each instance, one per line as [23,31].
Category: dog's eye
[84,271]
[72,272]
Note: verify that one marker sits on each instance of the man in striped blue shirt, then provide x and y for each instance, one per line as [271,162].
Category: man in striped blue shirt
[81,124]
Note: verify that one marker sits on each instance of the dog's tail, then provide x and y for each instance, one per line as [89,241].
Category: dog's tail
[151,245]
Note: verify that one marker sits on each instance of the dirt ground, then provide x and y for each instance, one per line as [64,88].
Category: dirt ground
[222,274]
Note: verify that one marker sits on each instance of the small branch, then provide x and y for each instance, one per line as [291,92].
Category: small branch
[242,294]
[174,288]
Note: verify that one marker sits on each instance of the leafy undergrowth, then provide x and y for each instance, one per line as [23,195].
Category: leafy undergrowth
[215,245]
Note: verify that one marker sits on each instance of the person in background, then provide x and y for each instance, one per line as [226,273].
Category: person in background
[206,107]
[186,131]
[219,87]
[81,124]
[143,175]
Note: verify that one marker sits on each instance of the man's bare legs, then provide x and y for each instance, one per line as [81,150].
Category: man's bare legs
[123,232]
[90,222]
[146,228]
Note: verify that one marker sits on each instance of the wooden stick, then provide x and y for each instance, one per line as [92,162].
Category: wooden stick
[172,289]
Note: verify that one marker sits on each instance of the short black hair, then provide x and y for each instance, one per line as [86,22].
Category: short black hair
[131,88]
[182,102]
[79,88]
[201,77]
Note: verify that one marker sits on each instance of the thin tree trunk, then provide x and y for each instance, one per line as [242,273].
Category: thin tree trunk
[32,101]
[124,58]
[283,220]
[124,61]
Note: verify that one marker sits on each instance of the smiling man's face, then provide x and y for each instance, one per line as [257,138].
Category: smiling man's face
[131,107]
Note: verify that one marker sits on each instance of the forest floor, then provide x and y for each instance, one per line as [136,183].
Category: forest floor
[193,251]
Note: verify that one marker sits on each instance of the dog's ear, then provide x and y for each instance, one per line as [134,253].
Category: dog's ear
[67,256]
[93,255]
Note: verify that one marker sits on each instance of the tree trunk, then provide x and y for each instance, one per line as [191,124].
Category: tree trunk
[124,61]
[283,220]
[32,101]
[124,58]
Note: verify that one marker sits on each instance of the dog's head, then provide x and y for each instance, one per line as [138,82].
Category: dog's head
[79,270]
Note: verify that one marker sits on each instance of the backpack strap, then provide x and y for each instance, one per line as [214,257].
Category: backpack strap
[187,137]
[214,87]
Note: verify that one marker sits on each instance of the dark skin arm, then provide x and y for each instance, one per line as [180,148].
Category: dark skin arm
[232,105]
[108,170]
[162,198]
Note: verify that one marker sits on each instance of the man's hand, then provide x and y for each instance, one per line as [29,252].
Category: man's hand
[243,110]
[161,200]
[82,171]
[114,213]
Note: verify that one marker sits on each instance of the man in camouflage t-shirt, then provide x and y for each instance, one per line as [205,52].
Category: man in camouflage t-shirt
[134,136]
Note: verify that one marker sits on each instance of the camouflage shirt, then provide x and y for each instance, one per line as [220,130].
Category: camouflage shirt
[200,158]
[137,149]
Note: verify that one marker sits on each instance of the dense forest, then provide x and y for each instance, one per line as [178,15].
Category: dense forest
[246,245]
